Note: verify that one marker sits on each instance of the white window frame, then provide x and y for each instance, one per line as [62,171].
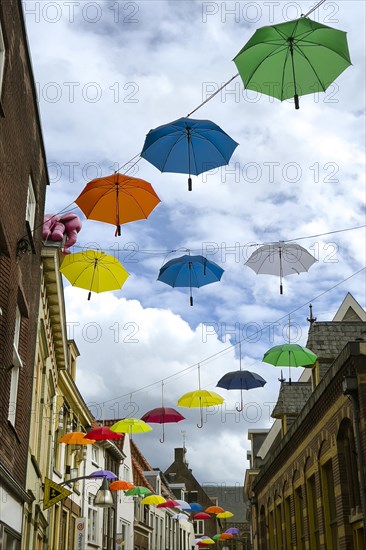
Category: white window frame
[92,520]
[15,371]
[30,213]
[2,57]
[199,527]
[95,455]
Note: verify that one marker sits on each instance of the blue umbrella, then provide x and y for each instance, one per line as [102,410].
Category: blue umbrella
[195,507]
[188,146]
[190,271]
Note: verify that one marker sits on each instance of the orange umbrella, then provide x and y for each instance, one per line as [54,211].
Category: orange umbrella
[121,485]
[75,438]
[214,510]
[117,199]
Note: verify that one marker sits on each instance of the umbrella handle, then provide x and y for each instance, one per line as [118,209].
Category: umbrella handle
[296,98]
[89,295]
[118,231]
[281,288]
[239,409]
[189,184]
[162,439]
[200,425]
[191,300]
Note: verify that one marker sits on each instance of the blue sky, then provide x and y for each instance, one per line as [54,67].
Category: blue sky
[108,72]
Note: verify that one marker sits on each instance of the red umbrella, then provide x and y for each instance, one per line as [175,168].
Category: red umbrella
[102,434]
[202,515]
[169,504]
[162,415]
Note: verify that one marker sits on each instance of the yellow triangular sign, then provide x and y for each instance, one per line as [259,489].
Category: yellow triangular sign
[53,493]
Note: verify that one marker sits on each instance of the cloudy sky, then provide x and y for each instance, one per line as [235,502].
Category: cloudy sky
[109,71]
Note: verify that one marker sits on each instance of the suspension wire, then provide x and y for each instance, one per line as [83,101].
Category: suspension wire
[213,95]
[226,350]
[314,8]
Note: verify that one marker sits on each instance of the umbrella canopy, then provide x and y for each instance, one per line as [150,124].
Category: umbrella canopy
[131,426]
[183,504]
[162,415]
[180,516]
[102,434]
[293,58]
[290,355]
[200,399]
[94,270]
[225,515]
[280,259]
[117,199]
[75,438]
[201,515]
[169,504]
[241,380]
[195,507]
[121,485]
[214,510]
[188,146]
[232,531]
[190,272]
[103,473]
[153,500]
[138,491]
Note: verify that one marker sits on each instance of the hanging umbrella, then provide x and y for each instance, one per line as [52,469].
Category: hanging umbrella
[195,507]
[280,259]
[183,504]
[169,504]
[188,146]
[180,516]
[294,58]
[199,399]
[103,473]
[117,199]
[121,485]
[214,510]
[102,434]
[93,270]
[240,380]
[226,536]
[138,491]
[290,355]
[232,531]
[131,426]
[162,415]
[190,271]
[225,515]
[75,438]
[201,515]
[153,500]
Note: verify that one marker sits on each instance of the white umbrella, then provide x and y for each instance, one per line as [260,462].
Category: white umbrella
[280,259]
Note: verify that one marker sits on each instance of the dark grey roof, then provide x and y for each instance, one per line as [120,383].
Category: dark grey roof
[291,399]
[327,339]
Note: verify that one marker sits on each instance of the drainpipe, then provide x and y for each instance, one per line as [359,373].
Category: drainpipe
[350,388]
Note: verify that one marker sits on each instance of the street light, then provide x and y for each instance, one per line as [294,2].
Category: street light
[103,498]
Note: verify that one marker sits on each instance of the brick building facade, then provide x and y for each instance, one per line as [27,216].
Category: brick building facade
[307,485]
[23,181]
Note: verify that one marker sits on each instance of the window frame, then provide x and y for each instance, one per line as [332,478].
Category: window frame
[2,57]
[15,370]
[31,206]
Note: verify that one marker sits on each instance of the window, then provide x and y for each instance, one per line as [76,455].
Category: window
[2,57]
[30,213]
[329,505]
[299,518]
[17,364]
[95,455]
[199,527]
[92,520]
[312,513]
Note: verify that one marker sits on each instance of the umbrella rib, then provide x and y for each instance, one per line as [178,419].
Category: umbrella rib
[180,137]
[204,138]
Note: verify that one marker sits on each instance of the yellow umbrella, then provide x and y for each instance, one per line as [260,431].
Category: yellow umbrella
[94,270]
[224,515]
[131,426]
[199,399]
[75,438]
[153,499]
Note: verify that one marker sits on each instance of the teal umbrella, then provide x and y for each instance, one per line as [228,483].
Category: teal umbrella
[293,58]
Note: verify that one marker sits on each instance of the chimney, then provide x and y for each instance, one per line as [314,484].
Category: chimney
[179,455]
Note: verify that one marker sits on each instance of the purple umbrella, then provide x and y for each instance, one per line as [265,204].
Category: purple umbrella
[104,473]
[232,531]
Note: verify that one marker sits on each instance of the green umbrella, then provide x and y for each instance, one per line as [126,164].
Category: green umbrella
[294,58]
[290,355]
[138,491]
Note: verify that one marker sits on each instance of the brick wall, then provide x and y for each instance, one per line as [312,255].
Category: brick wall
[21,155]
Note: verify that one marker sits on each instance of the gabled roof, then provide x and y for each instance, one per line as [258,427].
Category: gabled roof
[291,399]
[350,310]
